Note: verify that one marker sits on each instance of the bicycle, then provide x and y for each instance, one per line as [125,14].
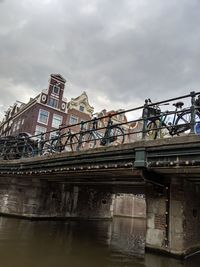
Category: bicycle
[88,138]
[44,146]
[6,144]
[25,146]
[180,120]
[58,143]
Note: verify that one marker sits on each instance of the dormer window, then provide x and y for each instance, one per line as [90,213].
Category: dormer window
[56,89]
[81,108]
[53,102]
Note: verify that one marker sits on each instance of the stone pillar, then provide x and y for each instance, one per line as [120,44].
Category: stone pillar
[173,218]
[184,217]
[156,218]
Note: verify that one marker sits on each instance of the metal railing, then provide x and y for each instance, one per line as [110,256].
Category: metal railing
[147,122]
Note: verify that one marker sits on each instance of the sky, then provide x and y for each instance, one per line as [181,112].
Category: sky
[118,51]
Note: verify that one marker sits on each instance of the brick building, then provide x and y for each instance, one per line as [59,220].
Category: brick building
[6,123]
[47,111]
[118,117]
[79,110]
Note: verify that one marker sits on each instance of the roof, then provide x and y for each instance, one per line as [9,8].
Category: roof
[58,77]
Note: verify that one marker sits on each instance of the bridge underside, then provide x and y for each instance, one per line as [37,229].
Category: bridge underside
[83,184]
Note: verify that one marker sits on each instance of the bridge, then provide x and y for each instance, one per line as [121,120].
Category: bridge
[82,184]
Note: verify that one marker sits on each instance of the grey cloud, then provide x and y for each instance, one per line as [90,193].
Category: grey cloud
[122,49]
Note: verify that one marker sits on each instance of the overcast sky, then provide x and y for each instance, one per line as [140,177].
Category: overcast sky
[118,51]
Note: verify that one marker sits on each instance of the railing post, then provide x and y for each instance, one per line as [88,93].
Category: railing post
[59,141]
[41,144]
[193,112]
[145,118]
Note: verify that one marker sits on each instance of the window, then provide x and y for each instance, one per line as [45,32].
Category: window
[121,117]
[56,90]
[81,108]
[73,119]
[53,102]
[14,127]
[100,124]
[18,124]
[39,130]
[52,134]
[83,125]
[43,116]
[57,120]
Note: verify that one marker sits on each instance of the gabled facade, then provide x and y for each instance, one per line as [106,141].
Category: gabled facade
[6,123]
[79,110]
[47,111]
[117,117]
[132,130]
[42,114]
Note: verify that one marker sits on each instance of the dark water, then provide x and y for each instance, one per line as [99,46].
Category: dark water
[79,244]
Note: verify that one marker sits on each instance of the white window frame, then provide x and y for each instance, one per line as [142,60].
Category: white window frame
[58,87]
[18,124]
[73,117]
[61,120]
[99,124]
[39,132]
[81,107]
[85,125]
[52,134]
[55,99]
[38,120]
[14,126]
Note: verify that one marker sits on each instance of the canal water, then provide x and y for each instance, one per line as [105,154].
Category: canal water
[117,243]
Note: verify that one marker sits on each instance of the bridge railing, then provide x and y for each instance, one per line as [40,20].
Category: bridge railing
[147,122]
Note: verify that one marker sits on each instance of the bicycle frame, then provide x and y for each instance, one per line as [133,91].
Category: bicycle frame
[94,134]
[173,128]
[107,137]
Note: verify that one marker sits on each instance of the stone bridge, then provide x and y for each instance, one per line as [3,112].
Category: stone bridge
[83,185]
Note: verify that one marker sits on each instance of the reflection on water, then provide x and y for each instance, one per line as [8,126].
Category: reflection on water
[118,243]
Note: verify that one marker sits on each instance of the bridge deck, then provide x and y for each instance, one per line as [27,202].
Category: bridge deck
[177,156]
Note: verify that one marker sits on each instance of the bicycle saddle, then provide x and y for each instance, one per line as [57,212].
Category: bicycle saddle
[178,104]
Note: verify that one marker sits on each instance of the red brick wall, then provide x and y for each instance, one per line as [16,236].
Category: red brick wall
[62,87]
[81,117]
[30,117]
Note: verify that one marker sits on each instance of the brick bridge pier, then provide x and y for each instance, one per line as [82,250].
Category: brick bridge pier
[173,217]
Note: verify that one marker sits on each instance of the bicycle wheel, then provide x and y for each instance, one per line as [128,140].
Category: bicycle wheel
[88,141]
[116,136]
[152,130]
[56,146]
[182,123]
[11,153]
[28,151]
[197,124]
[71,143]
[46,149]
[2,148]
